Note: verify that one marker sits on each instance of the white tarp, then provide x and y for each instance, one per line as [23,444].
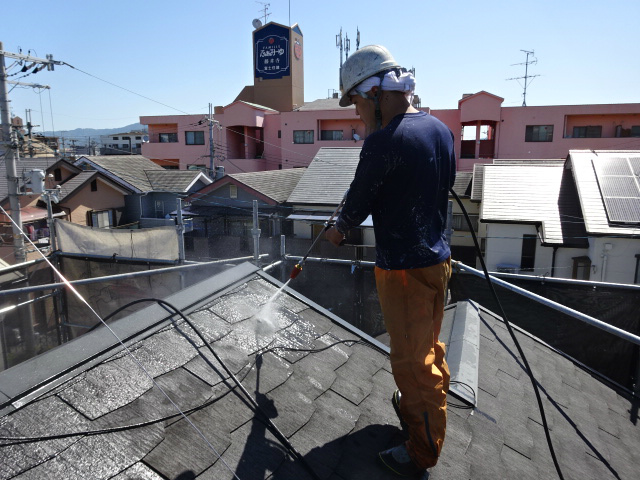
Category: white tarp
[154,243]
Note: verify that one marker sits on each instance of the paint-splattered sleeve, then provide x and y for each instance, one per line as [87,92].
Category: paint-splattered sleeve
[364,187]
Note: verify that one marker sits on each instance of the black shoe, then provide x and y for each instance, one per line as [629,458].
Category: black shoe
[395,401]
[398,461]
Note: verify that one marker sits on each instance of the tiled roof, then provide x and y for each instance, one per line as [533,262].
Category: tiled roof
[328,177]
[540,194]
[330,400]
[595,215]
[275,184]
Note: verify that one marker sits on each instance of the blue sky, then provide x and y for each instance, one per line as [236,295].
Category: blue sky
[186,55]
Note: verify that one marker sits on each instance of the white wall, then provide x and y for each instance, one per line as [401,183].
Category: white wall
[614,264]
[504,244]
[620,263]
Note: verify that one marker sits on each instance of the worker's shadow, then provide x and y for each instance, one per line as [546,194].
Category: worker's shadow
[353,456]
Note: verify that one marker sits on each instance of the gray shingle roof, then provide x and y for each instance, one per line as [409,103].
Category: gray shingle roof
[275,184]
[539,194]
[328,176]
[331,404]
[477,182]
[70,186]
[129,168]
[172,180]
[26,165]
[462,184]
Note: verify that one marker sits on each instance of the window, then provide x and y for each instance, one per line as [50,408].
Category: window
[116,138]
[459,223]
[279,133]
[635,131]
[539,133]
[168,137]
[528,258]
[94,185]
[581,268]
[194,138]
[303,136]
[138,138]
[233,191]
[57,175]
[331,135]
[101,219]
[591,131]
[138,145]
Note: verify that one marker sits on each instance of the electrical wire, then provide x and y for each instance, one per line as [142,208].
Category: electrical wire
[515,340]
[256,407]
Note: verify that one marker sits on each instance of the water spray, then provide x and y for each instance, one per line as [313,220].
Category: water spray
[298,266]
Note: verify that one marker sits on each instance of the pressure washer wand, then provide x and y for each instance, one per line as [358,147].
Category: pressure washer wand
[298,266]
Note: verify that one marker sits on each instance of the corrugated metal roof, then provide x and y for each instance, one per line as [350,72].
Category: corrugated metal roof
[275,184]
[328,176]
[537,194]
[595,215]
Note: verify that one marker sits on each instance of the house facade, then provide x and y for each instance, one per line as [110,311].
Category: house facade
[577,220]
[129,143]
[250,137]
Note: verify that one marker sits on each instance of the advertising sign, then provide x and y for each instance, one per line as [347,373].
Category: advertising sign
[272,52]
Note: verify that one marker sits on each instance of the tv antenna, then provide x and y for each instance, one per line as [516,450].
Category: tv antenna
[265,14]
[526,77]
[344,44]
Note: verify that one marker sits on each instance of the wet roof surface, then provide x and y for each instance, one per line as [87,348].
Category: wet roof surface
[328,395]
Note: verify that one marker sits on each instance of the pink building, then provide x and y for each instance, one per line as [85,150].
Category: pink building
[270,126]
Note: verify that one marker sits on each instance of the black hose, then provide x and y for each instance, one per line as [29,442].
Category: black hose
[513,336]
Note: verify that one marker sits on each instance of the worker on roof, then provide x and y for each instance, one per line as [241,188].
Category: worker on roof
[407,166]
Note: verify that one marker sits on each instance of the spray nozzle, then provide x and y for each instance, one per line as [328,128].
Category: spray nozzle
[295,271]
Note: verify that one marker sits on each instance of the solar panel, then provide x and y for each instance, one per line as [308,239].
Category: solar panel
[618,179]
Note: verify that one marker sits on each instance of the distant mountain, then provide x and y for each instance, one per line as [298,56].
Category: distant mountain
[83,135]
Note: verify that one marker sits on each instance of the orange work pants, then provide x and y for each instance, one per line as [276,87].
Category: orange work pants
[412,304]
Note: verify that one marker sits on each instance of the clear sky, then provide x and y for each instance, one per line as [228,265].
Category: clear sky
[184,55]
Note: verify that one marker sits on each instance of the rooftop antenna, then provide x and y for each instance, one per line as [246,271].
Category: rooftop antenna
[339,45]
[347,46]
[357,39]
[526,74]
[265,14]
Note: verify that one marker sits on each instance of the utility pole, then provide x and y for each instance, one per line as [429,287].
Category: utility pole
[10,143]
[526,74]
[212,122]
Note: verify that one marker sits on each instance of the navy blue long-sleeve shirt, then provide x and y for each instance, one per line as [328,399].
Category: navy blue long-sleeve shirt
[402,180]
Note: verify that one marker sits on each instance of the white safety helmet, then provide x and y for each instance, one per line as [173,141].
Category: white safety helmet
[364,63]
